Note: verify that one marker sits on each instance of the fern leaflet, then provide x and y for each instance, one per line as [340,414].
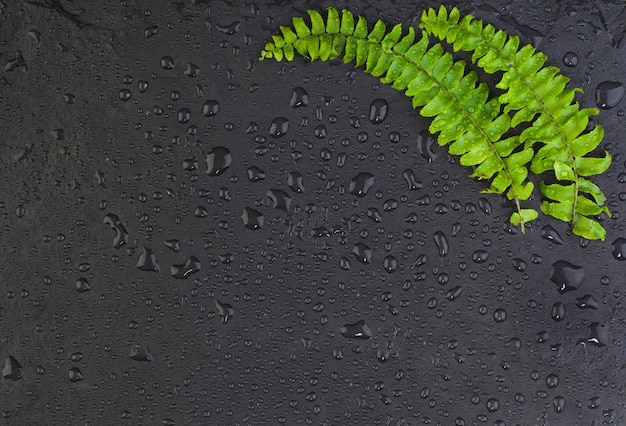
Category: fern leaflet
[466,120]
[531,90]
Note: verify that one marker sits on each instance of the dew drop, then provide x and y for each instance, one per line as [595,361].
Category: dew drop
[12,369]
[550,234]
[558,311]
[210,108]
[570,59]
[191,266]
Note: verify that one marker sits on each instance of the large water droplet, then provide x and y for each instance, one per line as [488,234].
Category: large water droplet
[191,266]
[210,108]
[411,180]
[587,302]
[550,234]
[12,369]
[363,253]
[358,330]
[558,311]
[280,199]
[566,276]
[597,334]
[295,182]
[425,143]
[378,111]
[299,97]
[121,236]
[618,248]
[442,243]
[361,184]
[218,160]
[147,261]
[279,127]
[252,219]
[609,94]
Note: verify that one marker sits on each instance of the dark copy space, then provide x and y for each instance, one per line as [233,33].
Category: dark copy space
[192,236]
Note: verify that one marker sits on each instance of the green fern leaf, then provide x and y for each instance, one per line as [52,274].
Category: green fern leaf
[536,94]
[470,124]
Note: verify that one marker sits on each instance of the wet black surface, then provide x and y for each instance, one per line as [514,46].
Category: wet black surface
[191,236]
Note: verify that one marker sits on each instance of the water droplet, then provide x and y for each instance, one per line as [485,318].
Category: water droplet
[225,310]
[361,184]
[299,97]
[566,276]
[550,234]
[519,264]
[168,63]
[597,334]
[121,236]
[492,405]
[558,311]
[480,256]
[374,214]
[358,330]
[295,182]
[150,31]
[499,315]
[390,264]
[279,127]
[363,253]
[191,266]
[425,144]
[192,70]
[12,369]
[454,293]
[618,248]
[378,111]
[141,353]
[230,29]
[587,302]
[82,285]
[218,160]
[609,94]
[173,245]
[552,380]
[125,95]
[411,180]
[252,219]
[210,108]
[594,402]
[147,261]
[75,375]
[280,199]
[570,59]
[559,404]
[485,206]
[442,243]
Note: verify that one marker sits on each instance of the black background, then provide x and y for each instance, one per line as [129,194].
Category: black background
[478,336]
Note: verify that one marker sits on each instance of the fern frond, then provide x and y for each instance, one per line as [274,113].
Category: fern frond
[465,119]
[537,94]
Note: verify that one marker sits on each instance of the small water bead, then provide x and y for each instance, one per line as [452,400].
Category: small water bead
[550,234]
